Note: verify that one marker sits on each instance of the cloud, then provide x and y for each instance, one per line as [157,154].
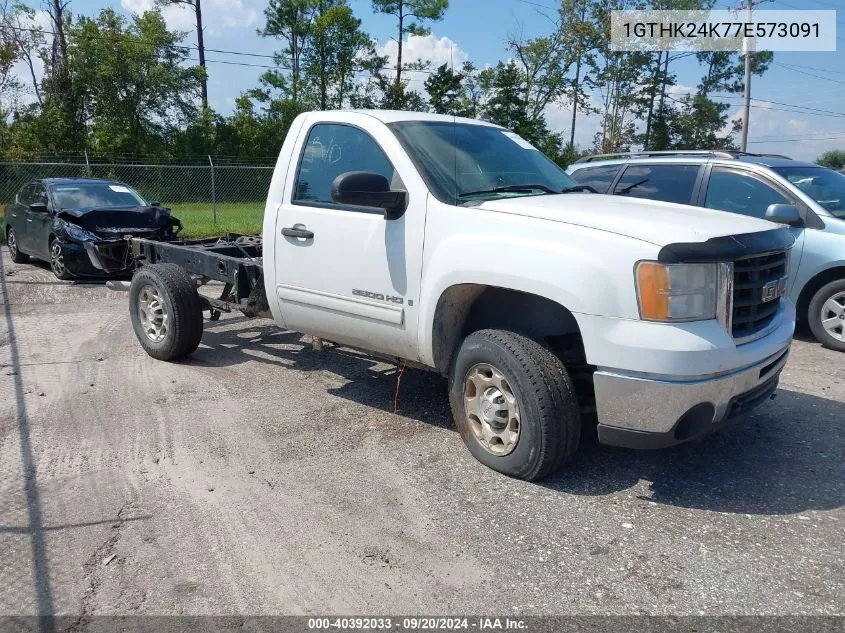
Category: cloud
[430,48]
[228,14]
[559,119]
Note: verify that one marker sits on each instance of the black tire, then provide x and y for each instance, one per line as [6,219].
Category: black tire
[182,306]
[57,261]
[14,250]
[549,416]
[834,289]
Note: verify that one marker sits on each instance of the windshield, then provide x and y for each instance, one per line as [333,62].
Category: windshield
[93,195]
[462,161]
[825,186]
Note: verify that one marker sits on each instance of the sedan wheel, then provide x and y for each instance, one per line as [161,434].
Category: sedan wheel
[833,316]
[826,315]
[57,260]
[14,250]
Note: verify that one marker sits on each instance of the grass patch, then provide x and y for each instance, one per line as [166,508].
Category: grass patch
[238,217]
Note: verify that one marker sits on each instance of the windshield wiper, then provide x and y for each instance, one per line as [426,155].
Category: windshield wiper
[527,188]
[578,189]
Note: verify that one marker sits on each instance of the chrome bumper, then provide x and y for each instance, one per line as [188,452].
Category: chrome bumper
[674,411]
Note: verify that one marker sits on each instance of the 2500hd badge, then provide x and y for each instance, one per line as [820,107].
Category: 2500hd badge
[378,296]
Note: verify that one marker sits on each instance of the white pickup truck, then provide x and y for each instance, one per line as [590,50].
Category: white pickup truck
[454,244]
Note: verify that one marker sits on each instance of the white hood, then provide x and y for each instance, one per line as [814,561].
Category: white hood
[653,221]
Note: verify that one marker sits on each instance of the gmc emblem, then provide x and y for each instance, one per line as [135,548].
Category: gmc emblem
[774,289]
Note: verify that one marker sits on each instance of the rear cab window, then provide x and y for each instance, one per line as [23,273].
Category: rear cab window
[668,182]
[599,178]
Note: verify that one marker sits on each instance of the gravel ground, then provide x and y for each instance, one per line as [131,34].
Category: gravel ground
[263,477]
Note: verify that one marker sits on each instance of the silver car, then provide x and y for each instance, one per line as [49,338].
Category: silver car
[807,197]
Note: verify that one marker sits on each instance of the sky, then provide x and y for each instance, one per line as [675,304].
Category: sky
[802,116]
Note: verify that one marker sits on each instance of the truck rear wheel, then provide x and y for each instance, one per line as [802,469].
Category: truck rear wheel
[826,315]
[514,404]
[166,311]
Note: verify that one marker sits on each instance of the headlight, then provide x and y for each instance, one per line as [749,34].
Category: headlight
[679,292]
[80,234]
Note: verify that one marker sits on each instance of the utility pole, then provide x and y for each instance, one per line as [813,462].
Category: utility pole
[748,47]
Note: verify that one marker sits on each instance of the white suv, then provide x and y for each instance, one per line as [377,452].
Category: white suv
[807,197]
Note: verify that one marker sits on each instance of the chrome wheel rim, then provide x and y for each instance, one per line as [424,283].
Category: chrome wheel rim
[833,316]
[153,313]
[12,243]
[491,409]
[57,258]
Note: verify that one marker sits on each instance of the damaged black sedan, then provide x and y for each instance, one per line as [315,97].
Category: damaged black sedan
[53,218]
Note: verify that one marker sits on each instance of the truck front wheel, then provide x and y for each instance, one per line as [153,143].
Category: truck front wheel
[513,404]
[166,311]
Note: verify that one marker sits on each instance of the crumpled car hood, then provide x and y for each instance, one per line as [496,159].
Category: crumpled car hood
[120,221]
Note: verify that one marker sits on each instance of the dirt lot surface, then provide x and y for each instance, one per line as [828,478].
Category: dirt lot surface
[261,476]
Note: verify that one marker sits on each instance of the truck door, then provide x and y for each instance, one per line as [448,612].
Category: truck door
[344,272]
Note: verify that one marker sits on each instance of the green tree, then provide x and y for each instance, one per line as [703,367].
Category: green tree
[410,16]
[543,63]
[700,123]
[129,76]
[834,159]
[619,78]
[21,36]
[331,55]
[289,21]
[506,104]
[580,39]
[196,7]
[445,90]
[380,90]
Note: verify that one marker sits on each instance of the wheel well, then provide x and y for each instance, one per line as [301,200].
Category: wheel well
[812,286]
[466,308]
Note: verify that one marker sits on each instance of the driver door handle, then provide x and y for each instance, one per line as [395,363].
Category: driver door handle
[297,231]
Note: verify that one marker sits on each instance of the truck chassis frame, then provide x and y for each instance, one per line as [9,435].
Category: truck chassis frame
[235,260]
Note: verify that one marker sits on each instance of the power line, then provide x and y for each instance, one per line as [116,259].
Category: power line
[184,48]
[815,111]
[821,70]
[804,72]
[781,103]
[798,140]
[836,115]
[810,137]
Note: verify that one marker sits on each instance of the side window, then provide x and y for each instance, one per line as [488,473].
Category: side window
[39,194]
[670,183]
[599,178]
[24,195]
[333,149]
[740,193]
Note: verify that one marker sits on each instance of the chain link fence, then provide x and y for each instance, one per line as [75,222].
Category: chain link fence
[209,199]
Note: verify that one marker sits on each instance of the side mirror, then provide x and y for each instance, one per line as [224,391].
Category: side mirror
[38,207]
[784,214]
[366,189]
[155,204]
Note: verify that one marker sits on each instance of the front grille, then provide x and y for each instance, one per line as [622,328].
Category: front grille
[750,313]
